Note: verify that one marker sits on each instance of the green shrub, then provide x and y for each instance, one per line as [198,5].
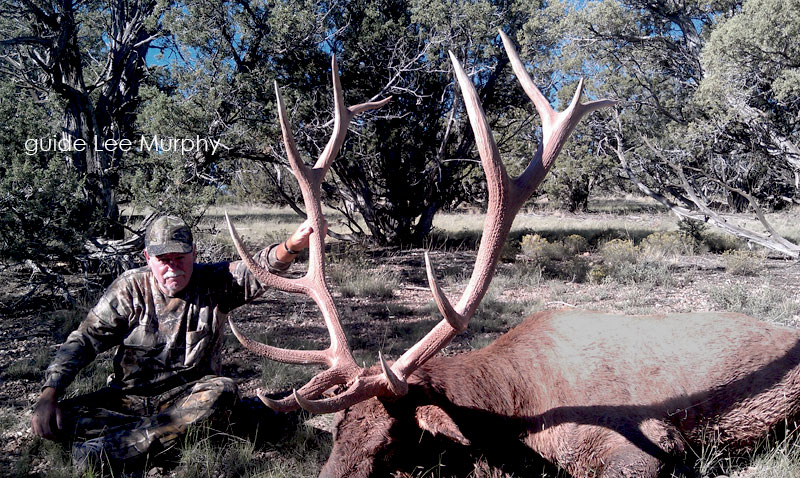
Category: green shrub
[538,249]
[576,244]
[556,259]
[651,273]
[598,273]
[665,244]
[742,263]
[719,242]
[693,231]
[619,251]
[45,217]
[766,303]
[622,262]
[576,269]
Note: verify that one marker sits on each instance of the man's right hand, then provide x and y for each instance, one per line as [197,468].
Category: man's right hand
[46,415]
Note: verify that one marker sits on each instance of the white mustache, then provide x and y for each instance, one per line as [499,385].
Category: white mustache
[171,274]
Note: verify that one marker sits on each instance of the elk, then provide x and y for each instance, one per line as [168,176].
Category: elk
[596,394]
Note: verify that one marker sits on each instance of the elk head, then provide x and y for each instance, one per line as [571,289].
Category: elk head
[506,197]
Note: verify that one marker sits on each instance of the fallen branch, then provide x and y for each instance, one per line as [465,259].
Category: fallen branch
[772,240]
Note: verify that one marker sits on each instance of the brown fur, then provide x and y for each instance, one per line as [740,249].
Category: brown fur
[596,394]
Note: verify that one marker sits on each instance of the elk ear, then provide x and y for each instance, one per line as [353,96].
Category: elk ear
[436,421]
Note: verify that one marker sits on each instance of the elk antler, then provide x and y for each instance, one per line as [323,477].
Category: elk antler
[506,197]
[337,356]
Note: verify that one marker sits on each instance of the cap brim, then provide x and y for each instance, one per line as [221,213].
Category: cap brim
[169,248]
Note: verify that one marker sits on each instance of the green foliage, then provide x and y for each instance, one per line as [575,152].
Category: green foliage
[539,250]
[708,85]
[44,217]
[619,251]
[648,273]
[766,303]
[576,244]
[557,259]
[748,55]
[43,214]
[742,263]
[598,273]
[622,263]
[666,245]
[693,231]
[383,183]
[699,83]
[578,172]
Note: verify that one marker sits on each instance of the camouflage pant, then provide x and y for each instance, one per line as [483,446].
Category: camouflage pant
[128,426]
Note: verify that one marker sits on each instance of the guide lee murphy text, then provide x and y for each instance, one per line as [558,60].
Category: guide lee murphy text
[144,143]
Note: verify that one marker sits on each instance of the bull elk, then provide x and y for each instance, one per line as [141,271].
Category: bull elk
[596,394]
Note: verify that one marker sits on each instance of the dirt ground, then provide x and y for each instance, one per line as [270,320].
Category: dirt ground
[372,324]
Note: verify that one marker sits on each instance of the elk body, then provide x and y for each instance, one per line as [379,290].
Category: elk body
[599,395]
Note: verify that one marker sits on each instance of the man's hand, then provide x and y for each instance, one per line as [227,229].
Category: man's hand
[299,240]
[46,413]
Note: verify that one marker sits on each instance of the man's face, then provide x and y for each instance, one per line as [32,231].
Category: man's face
[172,271]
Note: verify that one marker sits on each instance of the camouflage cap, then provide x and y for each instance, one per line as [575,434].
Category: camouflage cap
[168,234]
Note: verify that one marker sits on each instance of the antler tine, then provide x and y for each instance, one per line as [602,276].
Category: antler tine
[342,117]
[456,320]
[278,354]
[546,112]
[556,127]
[263,275]
[295,161]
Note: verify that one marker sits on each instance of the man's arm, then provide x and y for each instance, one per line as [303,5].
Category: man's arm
[103,328]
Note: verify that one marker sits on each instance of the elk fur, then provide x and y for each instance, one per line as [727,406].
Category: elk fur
[597,394]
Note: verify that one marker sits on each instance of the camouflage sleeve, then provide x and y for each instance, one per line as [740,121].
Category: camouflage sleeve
[245,279]
[104,327]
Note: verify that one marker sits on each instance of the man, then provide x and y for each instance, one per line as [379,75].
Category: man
[167,320]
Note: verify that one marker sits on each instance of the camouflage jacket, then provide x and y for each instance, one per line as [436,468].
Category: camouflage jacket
[161,341]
